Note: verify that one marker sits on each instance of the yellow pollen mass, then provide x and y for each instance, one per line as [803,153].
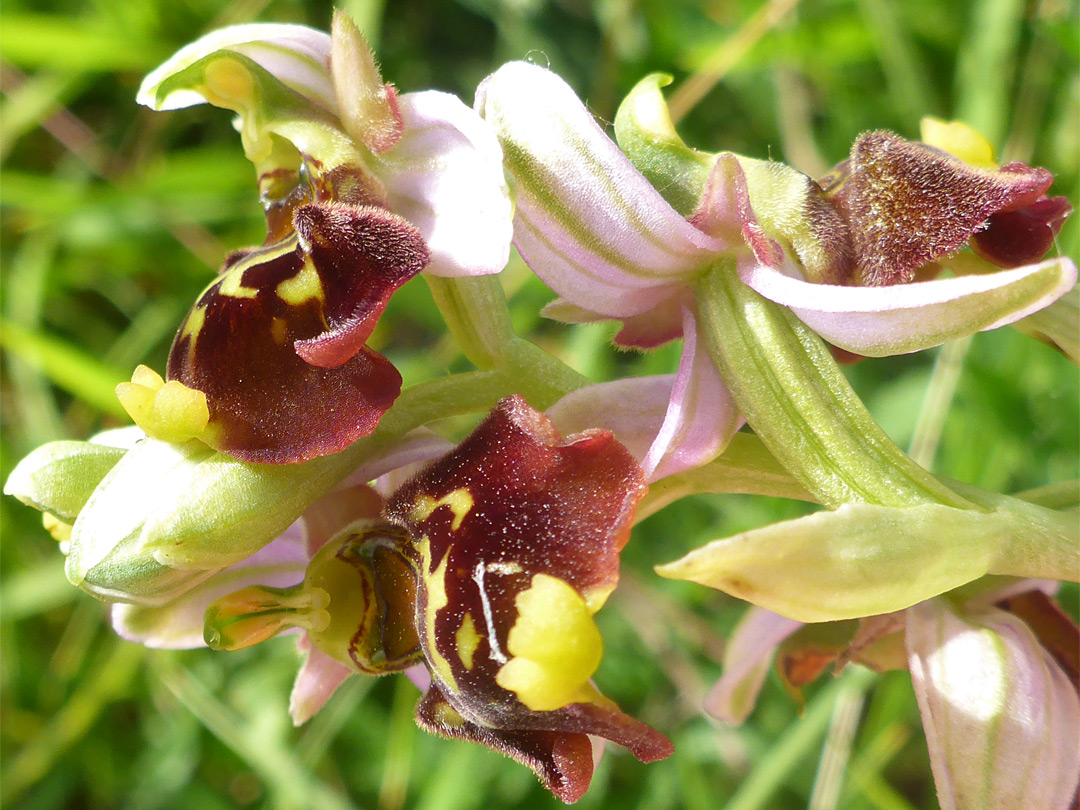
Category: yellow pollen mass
[229,83]
[304,286]
[555,644]
[460,502]
[466,640]
[169,411]
[959,140]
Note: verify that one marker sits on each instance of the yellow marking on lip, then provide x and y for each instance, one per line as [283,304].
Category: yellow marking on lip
[435,583]
[232,285]
[279,331]
[555,644]
[304,286]
[460,502]
[467,640]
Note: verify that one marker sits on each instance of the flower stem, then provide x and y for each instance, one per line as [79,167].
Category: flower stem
[475,311]
[799,402]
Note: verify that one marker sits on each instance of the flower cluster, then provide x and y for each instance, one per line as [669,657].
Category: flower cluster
[279,480]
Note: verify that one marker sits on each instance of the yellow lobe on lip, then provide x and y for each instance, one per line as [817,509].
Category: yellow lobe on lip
[304,286]
[959,140]
[555,644]
[169,411]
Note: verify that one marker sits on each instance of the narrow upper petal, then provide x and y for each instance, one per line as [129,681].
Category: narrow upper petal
[587,222]
[747,658]
[879,321]
[701,416]
[445,176]
[297,56]
[1001,718]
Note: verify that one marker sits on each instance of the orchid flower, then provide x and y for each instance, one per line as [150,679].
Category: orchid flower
[362,189]
[994,676]
[486,567]
[637,237]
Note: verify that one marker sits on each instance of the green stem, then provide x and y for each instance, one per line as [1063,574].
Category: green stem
[476,314]
[799,402]
[746,467]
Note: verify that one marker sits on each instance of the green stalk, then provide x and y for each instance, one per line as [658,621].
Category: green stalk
[476,314]
[797,400]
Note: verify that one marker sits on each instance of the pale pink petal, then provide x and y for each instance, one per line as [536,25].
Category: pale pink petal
[318,678]
[747,659]
[1013,587]
[880,321]
[414,448]
[420,676]
[632,408]
[295,55]
[701,417]
[587,222]
[446,177]
[1001,718]
[652,328]
[178,625]
[725,210]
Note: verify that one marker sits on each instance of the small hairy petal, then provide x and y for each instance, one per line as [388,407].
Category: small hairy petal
[908,204]
[362,255]
[277,343]
[1001,718]
[1015,238]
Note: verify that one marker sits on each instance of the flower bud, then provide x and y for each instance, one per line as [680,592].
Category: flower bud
[864,560]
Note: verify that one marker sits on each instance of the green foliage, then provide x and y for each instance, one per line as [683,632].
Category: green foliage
[114,219]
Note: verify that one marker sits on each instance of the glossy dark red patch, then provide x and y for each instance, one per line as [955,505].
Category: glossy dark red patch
[1016,238]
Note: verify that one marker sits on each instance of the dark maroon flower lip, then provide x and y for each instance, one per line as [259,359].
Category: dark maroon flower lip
[907,204]
[512,503]
[278,342]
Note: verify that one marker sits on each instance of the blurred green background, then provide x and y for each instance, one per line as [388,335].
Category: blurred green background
[114,218]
